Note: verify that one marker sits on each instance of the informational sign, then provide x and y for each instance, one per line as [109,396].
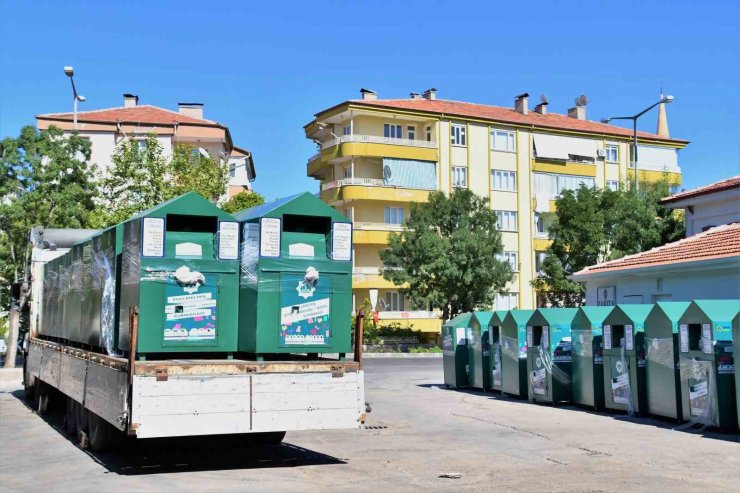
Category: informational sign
[607,337]
[305,311]
[190,317]
[545,337]
[301,250]
[683,338]
[270,228]
[606,296]
[706,336]
[228,240]
[530,337]
[188,249]
[629,338]
[539,381]
[621,388]
[152,237]
[341,241]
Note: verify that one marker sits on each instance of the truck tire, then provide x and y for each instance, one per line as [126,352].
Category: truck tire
[41,398]
[28,386]
[70,417]
[101,434]
[267,438]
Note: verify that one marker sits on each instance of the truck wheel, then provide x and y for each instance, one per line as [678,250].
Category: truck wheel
[29,388]
[41,397]
[268,438]
[70,417]
[102,435]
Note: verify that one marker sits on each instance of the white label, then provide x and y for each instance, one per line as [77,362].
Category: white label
[621,381]
[629,338]
[460,336]
[300,250]
[269,237]
[152,237]
[191,305]
[698,390]
[186,298]
[530,337]
[304,311]
[683,334]
[706,335]
[546,337]
[607,337]
[341,241]
[189,314]
[228,240]
[188,250]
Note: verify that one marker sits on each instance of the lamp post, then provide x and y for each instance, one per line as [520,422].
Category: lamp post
[70,72]
[663,99]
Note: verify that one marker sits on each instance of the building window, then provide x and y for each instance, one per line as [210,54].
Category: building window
[393,301]
[348,172]
[540,226]
[553,185]
[392,131]
[232,170]
[411,132]
[457,133]
[506,220]
[142,144]
[429,133]
[611,153]
[539,259]
[348,213]
[508,301]
[347,130]
[460,177]
[512,258]
[394,215]
[612,185]
[503,180]
[503,140]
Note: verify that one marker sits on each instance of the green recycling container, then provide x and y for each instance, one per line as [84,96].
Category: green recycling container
[479,355]
[494,344]
[295,291]
[736,357]
[549,354]
[514,352]
[455,351]
[662,374]
[624,358]
[707,363]
[588,356]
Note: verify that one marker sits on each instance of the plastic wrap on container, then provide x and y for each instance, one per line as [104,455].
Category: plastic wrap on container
[659,350]
[624,381]
[702,387]
[104,280]
[510,348]
[583,343]
[552,368]
[250,245]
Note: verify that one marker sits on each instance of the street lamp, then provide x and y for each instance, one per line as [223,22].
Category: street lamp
[663,99]
[70,72]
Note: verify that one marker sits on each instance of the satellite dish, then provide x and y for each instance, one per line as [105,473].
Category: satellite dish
[582,100]
[543,99]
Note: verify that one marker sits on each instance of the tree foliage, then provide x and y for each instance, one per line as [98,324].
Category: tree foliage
[594,225]
[243,200]
[193,171]
[447,254]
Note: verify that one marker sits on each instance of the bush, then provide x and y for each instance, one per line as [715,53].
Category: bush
[375,334]
[432,349]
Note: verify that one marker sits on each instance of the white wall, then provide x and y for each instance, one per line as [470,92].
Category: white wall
[712,210]
[240,177]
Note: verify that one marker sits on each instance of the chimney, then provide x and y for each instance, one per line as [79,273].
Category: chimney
[130,100]
[521,103]
[194,110]
[415,95]
[579,110]
[541,108]
[368,95]
[430,94]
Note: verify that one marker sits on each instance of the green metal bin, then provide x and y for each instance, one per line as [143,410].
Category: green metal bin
[514,352]
[588,356]
[662,374]
[624,358]
[736,357]
[549,354]
[455,351]
[495,345]
[479,355]
[707,362]
[295,292]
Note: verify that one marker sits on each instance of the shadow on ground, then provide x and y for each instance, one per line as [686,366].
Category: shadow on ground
[185,454]
[655,421]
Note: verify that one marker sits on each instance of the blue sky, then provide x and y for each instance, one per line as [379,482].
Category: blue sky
[264,68]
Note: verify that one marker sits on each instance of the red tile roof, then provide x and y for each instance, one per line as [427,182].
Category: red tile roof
[508,115]
[727,184]
[715,243]
[137,114]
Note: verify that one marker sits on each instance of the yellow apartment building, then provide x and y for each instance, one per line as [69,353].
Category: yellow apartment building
[377,156]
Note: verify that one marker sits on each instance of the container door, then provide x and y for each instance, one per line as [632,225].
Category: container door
[497,370]
[305,311]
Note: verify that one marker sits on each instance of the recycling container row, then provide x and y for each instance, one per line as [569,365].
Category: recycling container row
[272,279]
[668,359]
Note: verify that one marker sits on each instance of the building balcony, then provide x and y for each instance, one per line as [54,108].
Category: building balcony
[375,139]
[369,226]
[367,233]
[349,189]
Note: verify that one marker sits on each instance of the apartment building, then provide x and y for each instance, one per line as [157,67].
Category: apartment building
[377,156]
[105,128]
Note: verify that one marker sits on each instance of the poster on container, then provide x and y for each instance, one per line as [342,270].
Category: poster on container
[190,317]
[305,310]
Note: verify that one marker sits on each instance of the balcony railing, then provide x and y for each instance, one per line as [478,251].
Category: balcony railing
[375,139]
[363,225]
[395,315]
[313,157]
[367,271]
[368,182]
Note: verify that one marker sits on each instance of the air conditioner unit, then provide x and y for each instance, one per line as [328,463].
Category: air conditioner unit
[601,153]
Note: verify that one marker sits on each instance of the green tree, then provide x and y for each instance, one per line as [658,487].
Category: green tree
[447,255]
[193,171]
[243,200]
[594,225]
[46,181]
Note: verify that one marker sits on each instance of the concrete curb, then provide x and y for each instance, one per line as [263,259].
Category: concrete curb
[11,374]
[401,355]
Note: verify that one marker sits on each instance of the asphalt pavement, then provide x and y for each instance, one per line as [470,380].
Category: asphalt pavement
[416,432]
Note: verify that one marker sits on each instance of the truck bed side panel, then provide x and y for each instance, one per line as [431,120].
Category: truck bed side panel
[106,393]
[51,366]
[72,380]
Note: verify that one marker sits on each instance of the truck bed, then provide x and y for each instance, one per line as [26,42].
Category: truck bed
[185,397]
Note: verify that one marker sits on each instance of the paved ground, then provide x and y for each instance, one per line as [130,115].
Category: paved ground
[415,432]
